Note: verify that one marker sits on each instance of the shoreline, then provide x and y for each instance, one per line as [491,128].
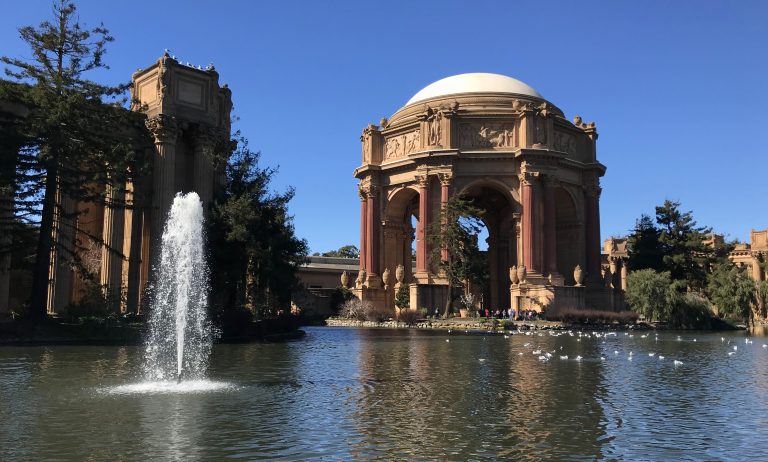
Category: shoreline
[503,325]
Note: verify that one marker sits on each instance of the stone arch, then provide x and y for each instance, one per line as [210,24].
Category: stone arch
[498,201]
[569,238]
[398,233]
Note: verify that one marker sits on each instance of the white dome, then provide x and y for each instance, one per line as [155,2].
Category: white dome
[478,82]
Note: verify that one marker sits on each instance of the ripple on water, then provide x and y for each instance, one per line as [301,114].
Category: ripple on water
[170,387]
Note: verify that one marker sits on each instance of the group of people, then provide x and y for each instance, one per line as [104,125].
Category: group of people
[511,314]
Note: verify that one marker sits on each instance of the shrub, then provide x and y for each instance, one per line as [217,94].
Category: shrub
[409,317]
[376,314]
[691,311]
[586,316]
[338,297]
[650,294]
[403,296]
[354,308]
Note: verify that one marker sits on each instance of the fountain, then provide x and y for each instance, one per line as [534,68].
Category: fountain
[179,341]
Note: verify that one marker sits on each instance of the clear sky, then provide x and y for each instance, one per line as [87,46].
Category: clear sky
[678,89]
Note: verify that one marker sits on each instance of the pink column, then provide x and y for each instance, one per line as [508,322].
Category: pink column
[373,227]
[363,228]
[526,193]
[445,183]
[592,230]
[550,233]
[421,226]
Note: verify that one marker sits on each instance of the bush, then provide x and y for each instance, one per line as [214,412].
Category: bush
[338,297]
[409,317]
[363,311]
[650,294]
[403,296]
[354,308]
[586,316]
[691,311]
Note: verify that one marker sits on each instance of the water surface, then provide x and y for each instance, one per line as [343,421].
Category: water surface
[370,394]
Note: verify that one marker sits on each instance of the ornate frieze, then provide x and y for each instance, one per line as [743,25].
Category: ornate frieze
[486,135]
[564,142]
[402,145]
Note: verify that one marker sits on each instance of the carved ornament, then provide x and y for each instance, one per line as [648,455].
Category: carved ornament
[402,145]
[164,128]
[486,135]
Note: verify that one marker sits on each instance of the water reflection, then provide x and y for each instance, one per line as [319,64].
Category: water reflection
[355,394]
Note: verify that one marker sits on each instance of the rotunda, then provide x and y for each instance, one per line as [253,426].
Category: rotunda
[535,174]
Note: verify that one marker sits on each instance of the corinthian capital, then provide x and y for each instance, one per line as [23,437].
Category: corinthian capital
[165,129]
[592,187]
[445,178]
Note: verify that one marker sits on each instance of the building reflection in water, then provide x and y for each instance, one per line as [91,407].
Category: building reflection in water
[475,396]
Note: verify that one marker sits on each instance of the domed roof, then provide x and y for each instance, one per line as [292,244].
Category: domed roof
[477,82]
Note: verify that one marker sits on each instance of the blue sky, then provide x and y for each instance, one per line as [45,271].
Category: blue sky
[678,89]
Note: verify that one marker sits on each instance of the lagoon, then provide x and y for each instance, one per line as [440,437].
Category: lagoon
[389,394]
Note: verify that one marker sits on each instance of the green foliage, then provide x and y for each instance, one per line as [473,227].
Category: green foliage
[257,253]
[339,297]
[403,296]
[77,137]
[409,317]
[732,291]
[347,251]
[649,293]
[645,250]
[686,256]
[460,223]
[690,311]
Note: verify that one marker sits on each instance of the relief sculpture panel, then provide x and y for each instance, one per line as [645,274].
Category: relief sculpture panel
[486,135]
[564,143]
[401,145]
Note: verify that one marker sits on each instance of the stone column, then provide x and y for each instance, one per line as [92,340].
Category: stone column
[421,226]
[112,250]
[592,229]
[203,179]
[531,206]
[363,225]
[550,231]
[612,267]
[445,183]
[624,275]
[373,229]
[165,131]
[60,268]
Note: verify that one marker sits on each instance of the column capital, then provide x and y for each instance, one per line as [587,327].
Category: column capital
[446,178]
[592,187]
[528,178]
[164,128]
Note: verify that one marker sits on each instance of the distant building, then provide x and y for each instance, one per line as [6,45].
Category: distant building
[752,256]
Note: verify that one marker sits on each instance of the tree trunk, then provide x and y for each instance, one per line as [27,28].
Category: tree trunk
[40,278]
[448,302]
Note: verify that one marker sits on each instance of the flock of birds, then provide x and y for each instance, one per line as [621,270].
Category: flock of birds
[545,356]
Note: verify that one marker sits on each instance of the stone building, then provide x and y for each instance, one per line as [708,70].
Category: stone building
[188,118]
[752,256]
[534,173]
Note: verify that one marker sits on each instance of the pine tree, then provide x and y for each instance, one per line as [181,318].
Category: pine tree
[79,137]
[457,231]
[686,256]
[645,250]
[258,252]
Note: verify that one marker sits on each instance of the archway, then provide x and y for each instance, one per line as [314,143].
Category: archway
[568,227]
[401,209]
[498,216]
